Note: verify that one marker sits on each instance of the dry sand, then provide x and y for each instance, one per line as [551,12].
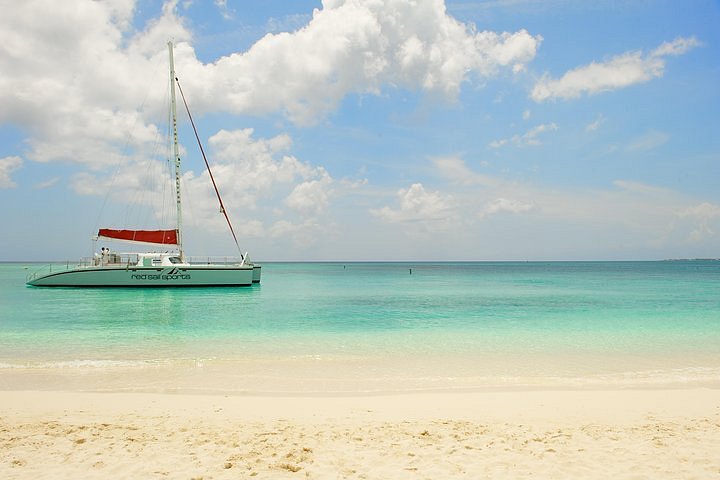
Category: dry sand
[672,434]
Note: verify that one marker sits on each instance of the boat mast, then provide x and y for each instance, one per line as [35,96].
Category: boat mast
[176,152]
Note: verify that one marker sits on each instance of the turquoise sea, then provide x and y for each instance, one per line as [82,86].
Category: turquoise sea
[373,327]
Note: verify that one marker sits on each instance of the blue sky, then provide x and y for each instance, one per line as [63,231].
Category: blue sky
[367,130]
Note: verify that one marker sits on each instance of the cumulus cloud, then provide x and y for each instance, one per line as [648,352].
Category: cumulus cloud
[504,205]
[84,83]
[528,139]
[86,87]
[626,213]
[132,186]
[301,234]
[702,215]
[310,197]
[255,176]
[621,71]
[417,204]
[500,214]
[78,84]
[7,166]
[485,202]
[251,173]
[255,168]
[454,169]
[92,57]
[358,46]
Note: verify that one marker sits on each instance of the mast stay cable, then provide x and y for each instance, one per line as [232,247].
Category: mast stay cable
[202,151]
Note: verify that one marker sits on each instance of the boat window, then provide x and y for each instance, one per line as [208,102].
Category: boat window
[175,260]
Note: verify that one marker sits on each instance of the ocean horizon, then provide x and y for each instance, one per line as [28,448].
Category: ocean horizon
[367,327]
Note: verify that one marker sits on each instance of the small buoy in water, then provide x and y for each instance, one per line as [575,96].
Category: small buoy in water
[411,271]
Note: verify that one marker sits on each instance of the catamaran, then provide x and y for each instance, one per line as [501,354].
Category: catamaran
[169,268]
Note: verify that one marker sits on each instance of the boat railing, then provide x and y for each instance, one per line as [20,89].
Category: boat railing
[110,260]
[124,259]
[216,260]
[53,267]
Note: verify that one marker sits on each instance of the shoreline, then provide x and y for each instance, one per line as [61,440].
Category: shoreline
[366,376]
[541,434]
[542,403]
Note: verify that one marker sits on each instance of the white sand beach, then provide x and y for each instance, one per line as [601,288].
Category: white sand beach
[670,433]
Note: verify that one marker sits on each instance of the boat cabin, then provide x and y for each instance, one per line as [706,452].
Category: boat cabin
[158,260]
[137,259]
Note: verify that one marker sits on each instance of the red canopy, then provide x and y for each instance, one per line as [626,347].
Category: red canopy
[162,237]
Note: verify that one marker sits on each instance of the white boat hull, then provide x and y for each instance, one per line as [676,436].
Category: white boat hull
[136,276]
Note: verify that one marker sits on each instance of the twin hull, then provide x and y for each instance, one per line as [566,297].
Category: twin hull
[122,276]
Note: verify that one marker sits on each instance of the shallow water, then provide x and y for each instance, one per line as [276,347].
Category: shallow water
[332,327]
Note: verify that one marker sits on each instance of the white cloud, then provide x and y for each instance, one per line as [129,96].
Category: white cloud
[79,78]
[454,169]
[132,186]
[593,126]
[702,215]
[7,166]
[310,197]
[621,71]
[627,215]
[353,184]
[281,228]
[302,234]
[493,198]
[677,47]
[418,205]
[704,210]
[253,175]
[357,46]
[529,138]
[504,205]
[87,88]
[648,141]
[46,183]
[641,214]
[256,176]
[223,9]
[526,115]
[638,187]
[256,168]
